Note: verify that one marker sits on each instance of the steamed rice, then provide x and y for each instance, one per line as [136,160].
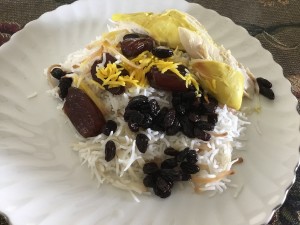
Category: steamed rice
[125,171]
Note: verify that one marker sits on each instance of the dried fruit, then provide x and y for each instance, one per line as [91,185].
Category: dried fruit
[132,47]
[162,52]
[169,163]
[142,142]
[110,126]
[189,168]
[57,73]
[171,151]
[167,81]
[83,113]
[182,155]
[64,85]
[150,168]
[110,150]
[262,82]
[169,118]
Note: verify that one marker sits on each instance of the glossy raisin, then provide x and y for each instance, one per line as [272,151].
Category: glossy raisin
[194,117]
[171,174]
[147,121]
[171,151]
[201,134]
[64,85]
[267,92]
[162,52]
[180,109]
[110,126]
[169,118]
[160,193]
[189,168]
[116,90]
[182,69]
[134,127]
[57,73]
[262,82]
[187,127]
[142,142]
[154,107]
[132,47]
[192,157]
[169,163]
[182,155]
[186,177]
[203,125]
[162,184]
[137,101]
[150,168]
[212,118]
[174,129]
[149,180]
[110,150]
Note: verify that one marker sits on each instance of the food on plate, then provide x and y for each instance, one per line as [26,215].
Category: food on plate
[156,102]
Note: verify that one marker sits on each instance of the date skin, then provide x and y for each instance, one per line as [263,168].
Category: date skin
[167,81]
[83,113]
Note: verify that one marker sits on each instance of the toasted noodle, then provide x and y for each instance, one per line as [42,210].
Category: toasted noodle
[125,170]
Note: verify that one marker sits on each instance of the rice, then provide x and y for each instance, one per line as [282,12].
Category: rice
[125,171]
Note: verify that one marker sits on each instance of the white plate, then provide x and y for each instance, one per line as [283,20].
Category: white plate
[41,180]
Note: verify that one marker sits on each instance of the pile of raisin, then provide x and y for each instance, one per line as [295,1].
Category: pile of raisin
[190,115]
[140,112]
[177,168]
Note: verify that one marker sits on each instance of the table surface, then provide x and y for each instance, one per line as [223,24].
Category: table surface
[275,23]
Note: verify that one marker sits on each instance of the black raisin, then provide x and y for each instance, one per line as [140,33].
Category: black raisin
[169,118]
[182,155]
[149,180]
[160,193]
[187,127]
[154,107]
[192,156]
[64,85]
[194,117]
[186,177]
[182,69]
[262,82]
[142,142]
[267,92]
[212,118]
[171,151]
[150,168]
[57,73]
[171,175]
[116,90]
[134,127]
[174,129]
[201,134]
[189,168]
[162,52]
[203,125]
[110,150]
[147,121]
[110,126]
[180,109]
[137,117]
[137,101]
[162,184]
[169,163]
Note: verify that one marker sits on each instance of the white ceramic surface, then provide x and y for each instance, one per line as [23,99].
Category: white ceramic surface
[41,180]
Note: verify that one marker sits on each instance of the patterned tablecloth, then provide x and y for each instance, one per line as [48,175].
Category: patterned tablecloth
[275,23]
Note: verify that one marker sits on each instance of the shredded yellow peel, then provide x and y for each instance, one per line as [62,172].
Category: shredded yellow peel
[111,74]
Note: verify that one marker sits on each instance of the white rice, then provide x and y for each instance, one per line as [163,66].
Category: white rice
[125,170]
